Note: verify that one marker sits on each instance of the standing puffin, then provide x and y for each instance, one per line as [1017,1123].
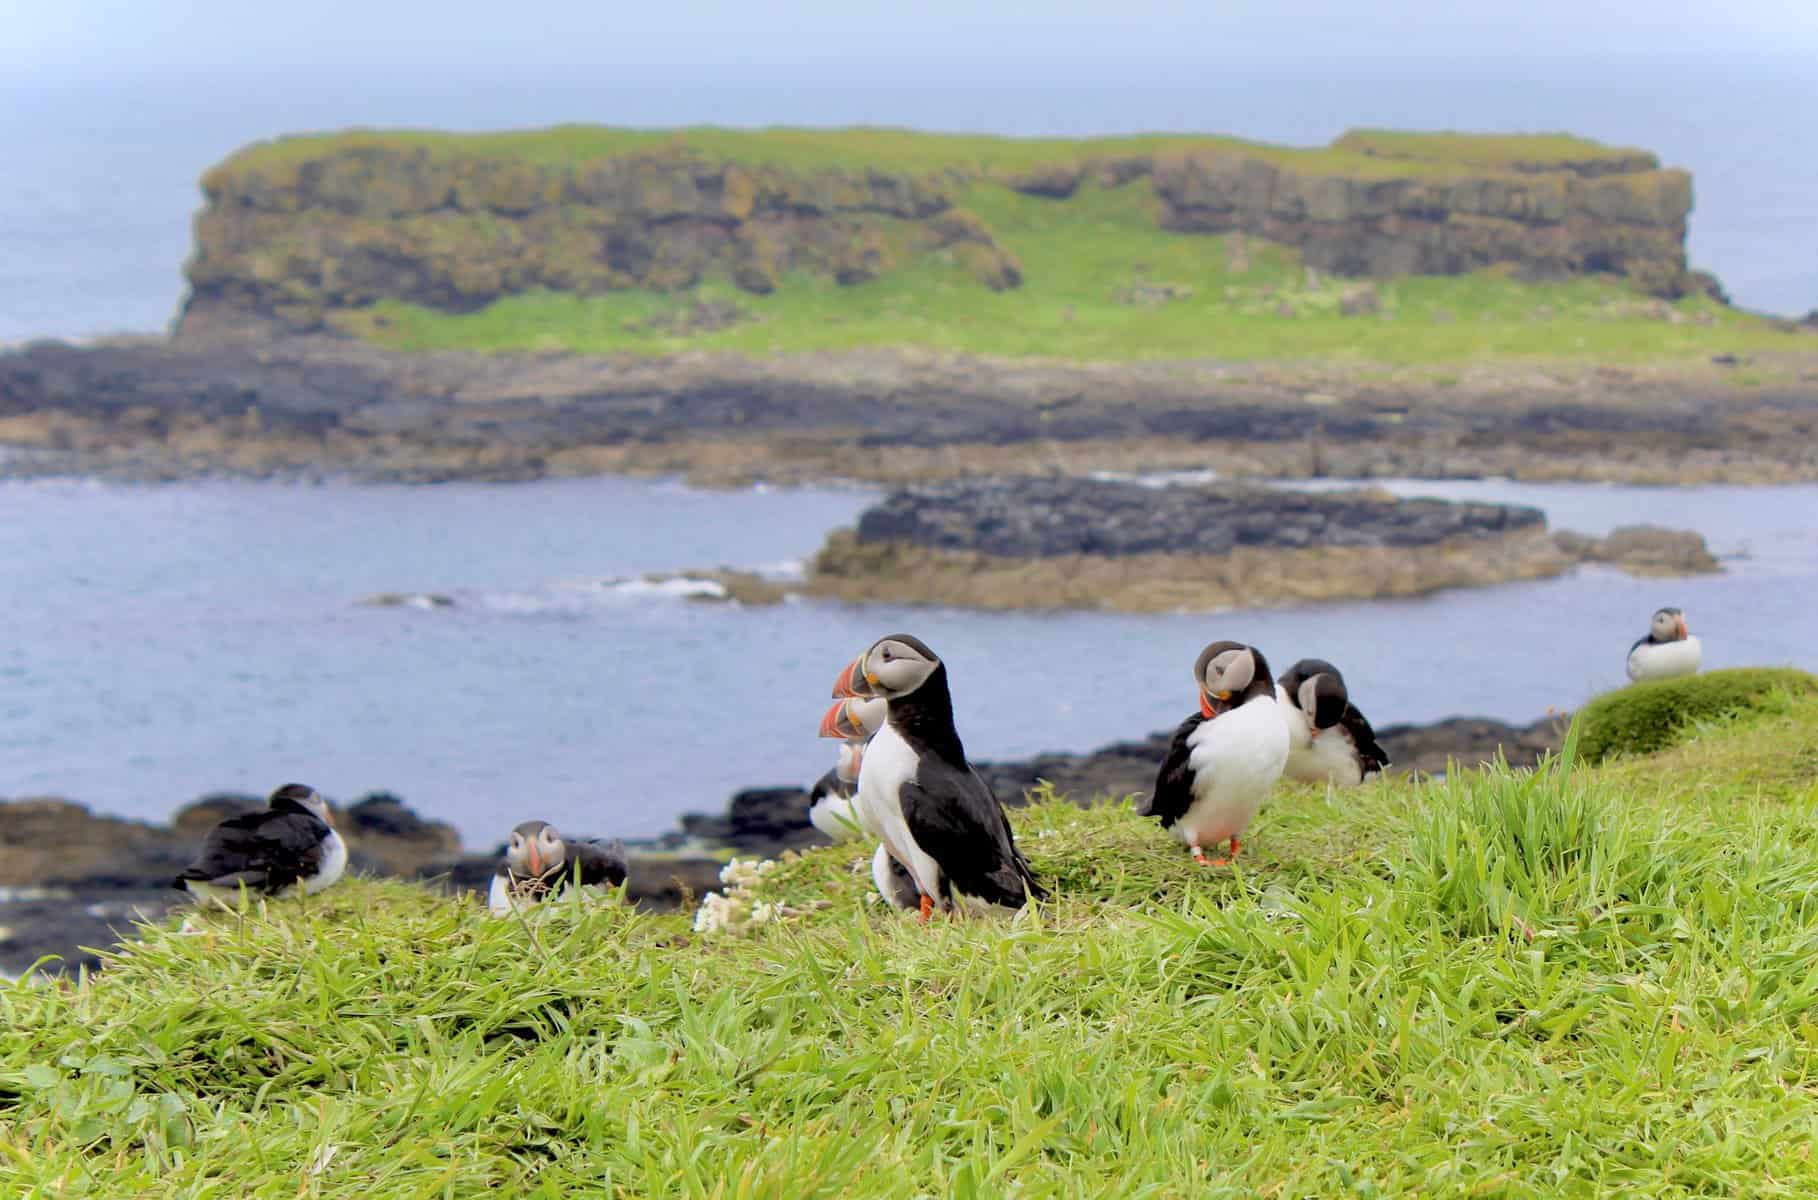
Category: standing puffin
[830,800]
[1224,758]
[919,794]
[1668,651]
[288,846]
[1329,741]
[539,861]
[894,882]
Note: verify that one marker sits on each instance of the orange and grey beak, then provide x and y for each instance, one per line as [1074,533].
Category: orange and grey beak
[536,860]
[1685,631]
[852,680]
[1211,704]
[832,720]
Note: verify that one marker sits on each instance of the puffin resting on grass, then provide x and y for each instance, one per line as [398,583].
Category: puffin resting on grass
[1329,741]
[289,846]
[539,862]
[1225,758]
[918,793]
[1668,651]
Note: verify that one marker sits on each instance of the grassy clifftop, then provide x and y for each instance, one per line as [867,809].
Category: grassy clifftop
[1383,246]
[1574,982]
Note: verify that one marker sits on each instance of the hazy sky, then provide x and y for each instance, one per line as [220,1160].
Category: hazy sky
[151,36]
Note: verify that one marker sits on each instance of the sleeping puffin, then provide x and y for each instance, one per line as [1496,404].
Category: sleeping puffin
[1225,758]
[288,846]
[1668,651]
[539,862]
[936,816]
[830,800]
[1329,741]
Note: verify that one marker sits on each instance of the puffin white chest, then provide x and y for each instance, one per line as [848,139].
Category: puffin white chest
[1329,756]
[1300,729]
[891,762]
[836,816]
[1665,660]
[334,864]
[1235,759]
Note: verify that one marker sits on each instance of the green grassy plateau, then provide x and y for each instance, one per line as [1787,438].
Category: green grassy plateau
[1101,282]
[1569,982]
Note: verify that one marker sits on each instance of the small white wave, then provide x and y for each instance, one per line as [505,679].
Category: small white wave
[1157,479]
[23,895]
[674,587]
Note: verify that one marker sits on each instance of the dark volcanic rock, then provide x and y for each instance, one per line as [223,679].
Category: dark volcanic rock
[1046,517]
[1470,742]
[763,821]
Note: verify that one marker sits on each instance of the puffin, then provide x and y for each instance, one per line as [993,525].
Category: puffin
[1329,741]
[1668,651]
[917,792]
[289,846]
[539,862]
[830,800]
[1225,758]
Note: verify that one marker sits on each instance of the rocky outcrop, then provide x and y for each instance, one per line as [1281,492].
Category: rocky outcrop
[1430,214]
[1644,550]
[302,231]
[1081,543]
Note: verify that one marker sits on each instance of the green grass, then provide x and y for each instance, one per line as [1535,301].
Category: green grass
[1081,258]
[1644,718]
[1572,982]
[1363,152]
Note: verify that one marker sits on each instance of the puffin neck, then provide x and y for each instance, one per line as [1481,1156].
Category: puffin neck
[924,718]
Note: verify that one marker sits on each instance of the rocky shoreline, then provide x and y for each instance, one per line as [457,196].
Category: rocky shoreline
[72,881]
[249,403]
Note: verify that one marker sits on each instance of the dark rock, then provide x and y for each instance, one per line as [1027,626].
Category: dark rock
[1052,516]
[762,821]
[1470,742]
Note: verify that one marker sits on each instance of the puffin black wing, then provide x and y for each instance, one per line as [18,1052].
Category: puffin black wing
[266,851]
[1173,793]
[829,784]
[602,864]
[1369,752]
[953,816]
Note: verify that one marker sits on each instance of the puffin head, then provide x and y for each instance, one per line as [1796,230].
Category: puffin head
[855,718]
[1668,625]
[300,797]
[892,667]
[1228,674]
[1318,690]
[535,849]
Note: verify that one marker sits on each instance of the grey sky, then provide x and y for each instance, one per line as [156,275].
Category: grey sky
[87,37]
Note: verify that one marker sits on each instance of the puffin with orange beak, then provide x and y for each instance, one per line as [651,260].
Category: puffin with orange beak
[1668,651]
[935,815]
[539,862]
[1329,741]
[830,801]
[1225,758]
[289,846]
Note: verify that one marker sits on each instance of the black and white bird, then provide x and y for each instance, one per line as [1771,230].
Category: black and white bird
[540,862]
[830,801]
[1668,651]
[1225,758]
[934,813]
[894,882]
[1329,741]
[288,846]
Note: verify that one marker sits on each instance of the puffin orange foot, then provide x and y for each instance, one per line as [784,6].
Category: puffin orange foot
[1199,856]
[927,909]
[1236,846]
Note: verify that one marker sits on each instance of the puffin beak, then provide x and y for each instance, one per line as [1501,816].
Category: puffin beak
[844,686]
[536,861]
[1685,630]
[830,720]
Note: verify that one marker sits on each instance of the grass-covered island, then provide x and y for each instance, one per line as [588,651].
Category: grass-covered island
[1383,247]
[1580,980]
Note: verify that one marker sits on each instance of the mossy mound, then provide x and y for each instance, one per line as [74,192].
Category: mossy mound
[1645,718]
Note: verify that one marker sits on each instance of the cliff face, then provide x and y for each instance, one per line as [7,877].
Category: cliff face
[297,239]
[1627,217]
[296,231]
